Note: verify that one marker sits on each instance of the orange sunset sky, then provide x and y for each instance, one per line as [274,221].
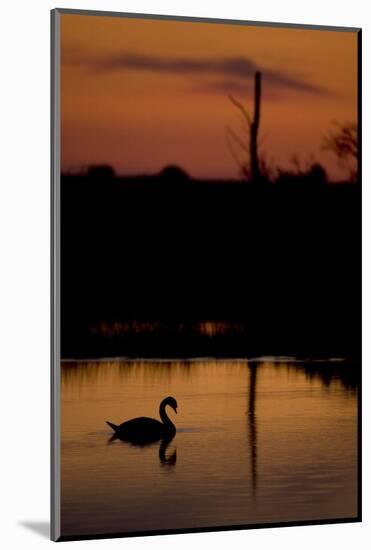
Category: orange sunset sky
[140,94]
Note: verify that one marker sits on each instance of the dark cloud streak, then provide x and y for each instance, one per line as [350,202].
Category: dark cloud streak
[233,69]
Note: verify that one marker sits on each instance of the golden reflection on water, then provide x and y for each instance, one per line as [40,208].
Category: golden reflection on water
[204,328]
[257,441]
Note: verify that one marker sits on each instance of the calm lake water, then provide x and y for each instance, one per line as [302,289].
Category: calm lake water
[258,441]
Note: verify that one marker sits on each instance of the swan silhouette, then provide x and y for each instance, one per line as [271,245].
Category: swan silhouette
[144,430]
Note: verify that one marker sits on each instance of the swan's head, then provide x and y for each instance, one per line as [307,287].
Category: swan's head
[171,402]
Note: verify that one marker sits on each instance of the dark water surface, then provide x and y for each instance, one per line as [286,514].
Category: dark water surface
[257,441]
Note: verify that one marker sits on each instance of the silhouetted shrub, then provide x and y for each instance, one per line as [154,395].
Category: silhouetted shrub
[313,177]
[173,173]
[316,175]
[343,142]
[101,172]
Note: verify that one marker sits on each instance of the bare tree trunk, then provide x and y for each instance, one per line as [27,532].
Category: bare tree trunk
[254,128]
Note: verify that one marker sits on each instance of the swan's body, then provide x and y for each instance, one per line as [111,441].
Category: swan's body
[144,430]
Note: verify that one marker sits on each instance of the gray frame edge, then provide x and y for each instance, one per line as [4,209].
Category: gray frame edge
[55,489]
[303,26]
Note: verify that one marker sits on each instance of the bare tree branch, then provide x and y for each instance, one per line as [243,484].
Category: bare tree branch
[250,146]
[241,108]
[237,139]
[238,162]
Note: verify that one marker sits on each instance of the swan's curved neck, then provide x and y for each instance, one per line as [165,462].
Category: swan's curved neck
[164,417]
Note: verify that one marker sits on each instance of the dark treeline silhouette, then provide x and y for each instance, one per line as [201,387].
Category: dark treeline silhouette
[282,262]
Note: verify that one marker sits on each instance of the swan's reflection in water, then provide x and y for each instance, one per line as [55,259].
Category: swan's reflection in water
[166,450]
[167,458]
